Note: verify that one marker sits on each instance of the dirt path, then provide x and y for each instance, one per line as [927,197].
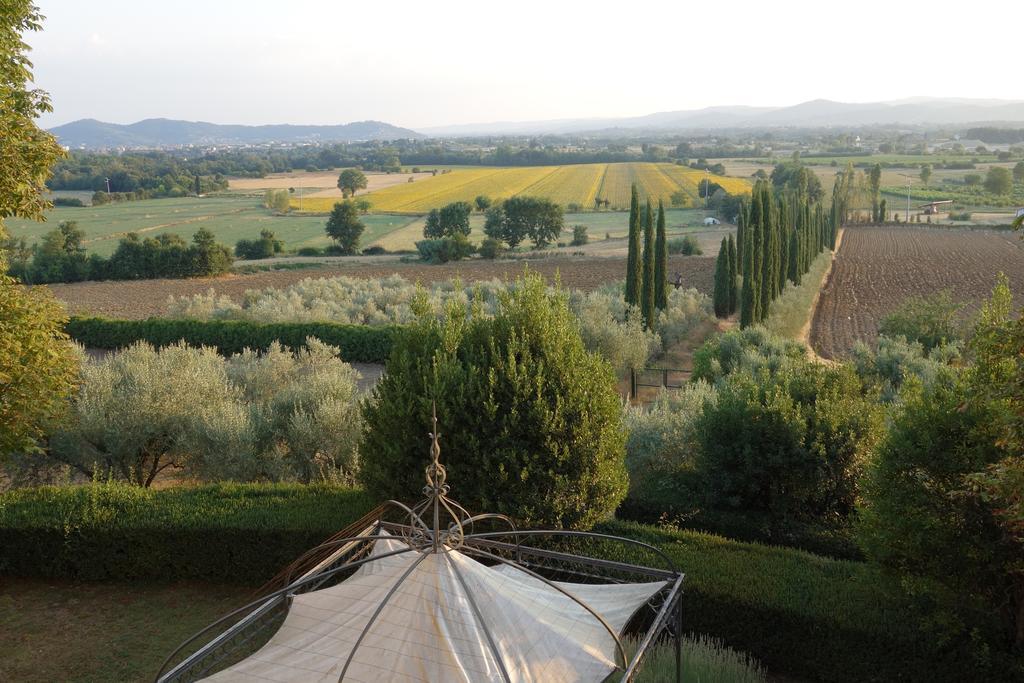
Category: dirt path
[805,332]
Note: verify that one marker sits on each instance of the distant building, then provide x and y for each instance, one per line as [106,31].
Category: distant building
[711,220]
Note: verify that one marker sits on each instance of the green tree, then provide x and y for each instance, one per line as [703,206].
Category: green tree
[733,266]
[1018,172]
[999,180]
[350,181]
[661,262]
[874,186]
[530,421]
[926,174]
[647,275]
[634,265]
[344,227]
[720,295]
[483,202]
[450,219]
[38,365]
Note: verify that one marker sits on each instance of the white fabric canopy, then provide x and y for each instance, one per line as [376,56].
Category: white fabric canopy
[428,630]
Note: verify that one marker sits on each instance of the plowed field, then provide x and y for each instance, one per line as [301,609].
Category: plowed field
[878,267]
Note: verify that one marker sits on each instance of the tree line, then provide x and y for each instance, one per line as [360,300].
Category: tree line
[778,235]
[646,266]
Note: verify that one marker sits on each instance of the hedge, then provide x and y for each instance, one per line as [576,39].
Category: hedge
[358,343]
[241,533]
[803,615]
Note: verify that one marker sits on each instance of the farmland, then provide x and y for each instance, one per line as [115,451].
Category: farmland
[145,298]
[878,267]
[576,184]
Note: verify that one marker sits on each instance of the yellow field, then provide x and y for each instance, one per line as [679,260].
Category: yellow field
[573,184]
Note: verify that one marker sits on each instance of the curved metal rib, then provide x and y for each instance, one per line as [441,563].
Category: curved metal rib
[615,636]
[588,534]
[380,608]
[480,618]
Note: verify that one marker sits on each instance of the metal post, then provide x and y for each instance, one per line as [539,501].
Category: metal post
[679,637]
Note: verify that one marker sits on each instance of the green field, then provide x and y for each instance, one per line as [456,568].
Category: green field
[230,219]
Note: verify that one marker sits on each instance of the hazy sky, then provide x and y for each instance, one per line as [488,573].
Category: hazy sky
[421,64]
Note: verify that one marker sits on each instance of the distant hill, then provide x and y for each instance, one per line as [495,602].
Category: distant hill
[93,134]
[914,111]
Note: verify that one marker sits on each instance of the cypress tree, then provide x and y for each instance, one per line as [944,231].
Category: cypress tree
[720,298]
[634,275]
[753,259]
[647,281]
[882,211]
[794,257]
[741,221]
[661,261]
[785,226]
[733,292]
[767,276]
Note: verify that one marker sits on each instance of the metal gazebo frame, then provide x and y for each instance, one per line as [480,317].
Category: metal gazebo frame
[236,635]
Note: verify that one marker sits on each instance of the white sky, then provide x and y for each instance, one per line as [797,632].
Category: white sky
[421,64]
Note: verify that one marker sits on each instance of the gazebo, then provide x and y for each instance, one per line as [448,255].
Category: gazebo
[433,593]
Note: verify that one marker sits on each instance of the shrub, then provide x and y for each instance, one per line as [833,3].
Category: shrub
[579,235]
[929,320]
[687,246]
[310,251]
[897,360]
[67,201]
[267,246]
[356,343]
[704,659]
[751,348]
[275,416]
[614,329]
[445,249]
[791,444]
[238,533]
[959,215]
[530,420]
[375,250]
[491,248]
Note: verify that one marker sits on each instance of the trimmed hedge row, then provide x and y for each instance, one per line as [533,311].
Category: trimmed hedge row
[226,532]
[801,614]
[358,343]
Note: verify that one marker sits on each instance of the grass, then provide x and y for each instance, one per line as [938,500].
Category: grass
[705,660]
[572,184]
[229,218]
[790,313]
[63,631]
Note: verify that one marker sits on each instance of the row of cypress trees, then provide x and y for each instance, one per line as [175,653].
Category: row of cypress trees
[647,269]
[777,238]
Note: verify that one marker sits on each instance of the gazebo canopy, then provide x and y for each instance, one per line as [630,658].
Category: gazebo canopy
[411,601]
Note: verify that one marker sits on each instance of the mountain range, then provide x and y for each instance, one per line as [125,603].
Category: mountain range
[90,133]
[915,111]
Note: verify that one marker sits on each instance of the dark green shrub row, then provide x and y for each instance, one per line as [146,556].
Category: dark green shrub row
[358,343]
[241,533]
[821,619]
[802,615]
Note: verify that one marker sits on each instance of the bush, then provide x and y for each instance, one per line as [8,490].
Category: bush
[67,201]
[491,248]
[897,360]
[310,251]
[792,444]
[579,235]
[375,250]
[751,348]
[237,533]
[531,421]
[929,320]
[614,329]
[445,249]
[704,659]
[357,343]
[959,215]
[687,246]
[267,246]
[273,416]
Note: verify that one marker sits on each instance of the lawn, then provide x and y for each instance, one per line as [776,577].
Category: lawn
[62,630]
[229,218]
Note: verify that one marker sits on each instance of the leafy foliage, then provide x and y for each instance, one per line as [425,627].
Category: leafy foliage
[445,249]
[530,420]
[273,416]
[344,227]
[929,320]
[522,217]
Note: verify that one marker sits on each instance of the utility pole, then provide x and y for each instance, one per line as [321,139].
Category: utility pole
[108,185]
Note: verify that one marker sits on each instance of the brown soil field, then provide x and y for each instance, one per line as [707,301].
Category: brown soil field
[146,298]
[878,267]
[326,181]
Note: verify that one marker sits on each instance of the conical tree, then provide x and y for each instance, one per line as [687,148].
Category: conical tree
[720,297]
[766,274]
[733,291]
[753,258]
[647,281]
[661,262]
[794,253]
[634,275]
[741,222]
